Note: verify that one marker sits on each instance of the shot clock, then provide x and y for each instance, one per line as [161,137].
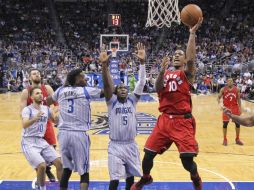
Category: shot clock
[114,20]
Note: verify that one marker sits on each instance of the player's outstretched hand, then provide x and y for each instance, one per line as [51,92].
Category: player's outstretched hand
[104,57]
[38,116]
[227,111]
[140,53]
[196,27]
[164,63]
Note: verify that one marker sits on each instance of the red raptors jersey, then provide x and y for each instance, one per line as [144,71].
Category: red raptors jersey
[230,97]
[44,93]
[175,97]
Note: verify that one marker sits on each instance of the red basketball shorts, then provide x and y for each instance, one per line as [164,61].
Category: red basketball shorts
[234,110]
[168,130]
[50,134]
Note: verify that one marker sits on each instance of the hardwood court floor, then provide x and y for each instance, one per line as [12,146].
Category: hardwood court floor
[234,162]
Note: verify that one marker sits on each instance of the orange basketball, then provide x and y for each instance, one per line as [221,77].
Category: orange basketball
[190,14]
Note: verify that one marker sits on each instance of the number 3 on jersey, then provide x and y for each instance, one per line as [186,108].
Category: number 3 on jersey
[71,106]
[172,86]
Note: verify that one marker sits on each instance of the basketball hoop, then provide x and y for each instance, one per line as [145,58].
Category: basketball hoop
[162,13]
[114,51]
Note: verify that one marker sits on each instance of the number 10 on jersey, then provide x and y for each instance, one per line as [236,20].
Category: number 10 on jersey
[172,86]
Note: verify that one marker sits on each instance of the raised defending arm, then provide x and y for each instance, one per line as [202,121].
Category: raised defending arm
[106,77]
[141,55]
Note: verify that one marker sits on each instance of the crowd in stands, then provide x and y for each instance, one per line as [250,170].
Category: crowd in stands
[225,42]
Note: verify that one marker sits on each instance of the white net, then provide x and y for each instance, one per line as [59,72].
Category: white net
[162,13]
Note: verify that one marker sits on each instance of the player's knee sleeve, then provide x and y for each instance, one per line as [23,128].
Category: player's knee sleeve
[149,154]
[129,182]
[84,178]
[237,125]
[147,162]
[189,164]
[65,178]
[225,124]
[113,184]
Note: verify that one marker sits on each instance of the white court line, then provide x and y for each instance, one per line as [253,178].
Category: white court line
[223,177]
[1,181]
[97,162]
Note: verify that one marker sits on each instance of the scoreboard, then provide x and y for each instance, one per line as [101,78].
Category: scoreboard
[114,20]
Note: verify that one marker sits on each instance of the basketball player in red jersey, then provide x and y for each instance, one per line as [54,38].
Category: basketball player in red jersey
[35,78]
[231,100]
[176,123]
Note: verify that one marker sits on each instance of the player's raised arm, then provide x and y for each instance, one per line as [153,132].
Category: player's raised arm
[106,77]
[159,84]
[141,55]
[191,53]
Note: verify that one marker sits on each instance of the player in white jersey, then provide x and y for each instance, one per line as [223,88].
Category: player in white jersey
[35,148]
[123,152]
[75,119]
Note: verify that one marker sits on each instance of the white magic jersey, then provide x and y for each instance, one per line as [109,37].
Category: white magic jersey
[74,107]
[37,129]
[122,118]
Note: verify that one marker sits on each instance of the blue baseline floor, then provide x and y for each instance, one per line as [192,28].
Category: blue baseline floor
[74,185]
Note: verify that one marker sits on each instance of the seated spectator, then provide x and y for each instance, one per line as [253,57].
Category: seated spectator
[202,89]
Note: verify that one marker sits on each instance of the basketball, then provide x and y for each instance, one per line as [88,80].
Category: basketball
[190,14]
